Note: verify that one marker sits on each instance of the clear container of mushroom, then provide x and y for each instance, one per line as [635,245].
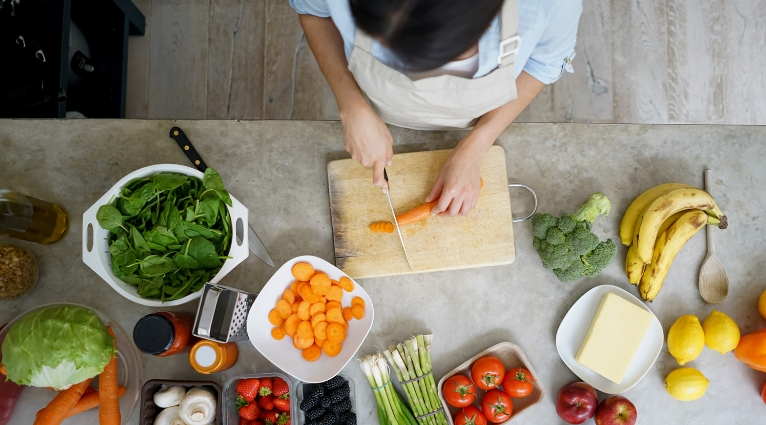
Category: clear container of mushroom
[168,402]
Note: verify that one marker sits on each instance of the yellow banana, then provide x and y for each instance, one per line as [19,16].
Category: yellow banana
[650,220]
[634,267]
[668,244]
[637,207]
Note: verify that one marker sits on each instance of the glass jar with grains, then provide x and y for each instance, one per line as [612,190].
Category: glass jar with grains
[18,271]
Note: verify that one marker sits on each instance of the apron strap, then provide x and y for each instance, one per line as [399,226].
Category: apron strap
[510,43]
[362,40]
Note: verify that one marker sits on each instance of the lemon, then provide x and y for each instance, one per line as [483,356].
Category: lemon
[721,333]
[686,339]
[686,384]
[762,304]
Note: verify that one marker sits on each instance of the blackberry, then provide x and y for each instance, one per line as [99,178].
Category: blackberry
[312,423]
[334,383]
[328,419]
[348,418]
[325,402]
[310,400]
[315,413]
[339,394]
[310,388]
[343,406]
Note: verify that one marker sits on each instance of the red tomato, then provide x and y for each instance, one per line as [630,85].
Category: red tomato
[497,406]
[470,416]
[518,382]
[459,391]
[488,373]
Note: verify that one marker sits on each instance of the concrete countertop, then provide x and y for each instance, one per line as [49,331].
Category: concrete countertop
[278,170]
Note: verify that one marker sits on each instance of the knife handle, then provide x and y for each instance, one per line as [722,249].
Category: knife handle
[183,142]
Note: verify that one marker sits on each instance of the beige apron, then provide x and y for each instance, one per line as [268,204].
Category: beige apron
[438,103]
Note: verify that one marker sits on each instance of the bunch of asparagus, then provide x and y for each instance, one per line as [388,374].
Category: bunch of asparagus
[412,360]
[391,408]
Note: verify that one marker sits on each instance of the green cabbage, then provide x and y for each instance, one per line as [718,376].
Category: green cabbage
[57,347]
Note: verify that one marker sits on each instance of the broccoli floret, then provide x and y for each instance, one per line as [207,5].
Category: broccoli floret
[599,258]
[541,223]
[566,244]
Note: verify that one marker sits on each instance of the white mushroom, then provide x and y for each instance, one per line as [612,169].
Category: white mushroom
[169,416]
[198,407]
[169,396]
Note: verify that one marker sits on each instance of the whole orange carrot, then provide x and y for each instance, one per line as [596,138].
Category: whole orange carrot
[90,400]
[109,402]
[56,411]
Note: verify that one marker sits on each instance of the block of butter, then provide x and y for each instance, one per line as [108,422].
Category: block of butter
[614,336]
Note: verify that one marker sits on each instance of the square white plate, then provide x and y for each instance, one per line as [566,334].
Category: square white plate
[575,326]
[282,353]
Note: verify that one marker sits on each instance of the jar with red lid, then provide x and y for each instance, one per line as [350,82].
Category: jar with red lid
[164,333]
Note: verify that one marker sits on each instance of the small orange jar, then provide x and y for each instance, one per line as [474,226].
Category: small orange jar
[208,357]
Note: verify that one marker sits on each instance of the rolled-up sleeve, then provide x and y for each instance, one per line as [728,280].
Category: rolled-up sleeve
[555,49]
[311,7]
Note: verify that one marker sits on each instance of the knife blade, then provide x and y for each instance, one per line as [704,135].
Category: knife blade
[396,222]
[253,242]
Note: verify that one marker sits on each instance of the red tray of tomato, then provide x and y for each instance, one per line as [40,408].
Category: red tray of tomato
[525,393]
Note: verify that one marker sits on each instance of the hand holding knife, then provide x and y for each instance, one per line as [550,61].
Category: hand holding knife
[254,243]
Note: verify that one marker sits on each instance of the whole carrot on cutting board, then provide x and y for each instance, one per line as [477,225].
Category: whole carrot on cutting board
[421,212]
[58,409]
[109,401]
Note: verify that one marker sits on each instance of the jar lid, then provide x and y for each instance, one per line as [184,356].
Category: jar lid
[206,356]
[154,334]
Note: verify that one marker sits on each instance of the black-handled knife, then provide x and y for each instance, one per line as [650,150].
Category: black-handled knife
[254,243]
[183,142]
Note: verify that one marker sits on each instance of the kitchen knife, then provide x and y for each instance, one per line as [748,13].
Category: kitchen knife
[253,242]
[396,222]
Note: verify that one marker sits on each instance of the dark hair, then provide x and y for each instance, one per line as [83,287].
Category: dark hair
[425,34]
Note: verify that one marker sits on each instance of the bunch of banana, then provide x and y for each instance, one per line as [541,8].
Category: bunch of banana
[655,227]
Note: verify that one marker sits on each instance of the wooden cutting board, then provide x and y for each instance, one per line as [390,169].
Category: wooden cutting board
[483,238]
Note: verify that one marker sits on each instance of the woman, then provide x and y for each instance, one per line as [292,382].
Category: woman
[437,64]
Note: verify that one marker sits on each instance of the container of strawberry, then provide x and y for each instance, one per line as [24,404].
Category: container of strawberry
[259,399]
[332,402]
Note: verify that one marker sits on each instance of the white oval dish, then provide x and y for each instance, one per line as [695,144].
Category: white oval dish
[575,325]
[282,353]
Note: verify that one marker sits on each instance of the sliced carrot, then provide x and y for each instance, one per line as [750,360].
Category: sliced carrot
[308,295]
[303,271]
[283,308]
[347,314]
[335,332]
[320,279]
[323,299]
[345,327]
[294,307]
[335,294]
[277,333]
[274,317]
[382,227]
[332,304]
[312,353]
[288,296]
[358,312]
[318,319]
[319,342]
[305,330]
[346,283]
[301,286]
[359,301]
[320,330]
[316,308]
[294,286]
[291,325]
[301,343]
[332,349]
[335,315]
[303,310]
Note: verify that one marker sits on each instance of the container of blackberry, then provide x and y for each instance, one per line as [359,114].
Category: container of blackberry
[332,402]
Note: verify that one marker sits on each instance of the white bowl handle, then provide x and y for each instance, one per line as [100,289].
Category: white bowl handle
[93,257]
[240,251]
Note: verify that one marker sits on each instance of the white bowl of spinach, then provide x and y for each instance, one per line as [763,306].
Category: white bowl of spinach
[162,232]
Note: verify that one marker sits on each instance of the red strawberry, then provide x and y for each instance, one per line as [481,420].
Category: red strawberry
[283,419]
[271,417]
[243,421]
[267,402]
[256,423]
[280,387]
[250,412]
[283,405]
[248,388]
[262,416]
[266,385]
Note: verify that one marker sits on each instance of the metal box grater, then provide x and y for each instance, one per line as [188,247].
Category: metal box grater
[222,313]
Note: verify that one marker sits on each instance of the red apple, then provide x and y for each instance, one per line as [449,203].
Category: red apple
[576,402]
[616,410]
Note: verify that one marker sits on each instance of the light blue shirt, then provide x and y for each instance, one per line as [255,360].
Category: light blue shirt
[547,28]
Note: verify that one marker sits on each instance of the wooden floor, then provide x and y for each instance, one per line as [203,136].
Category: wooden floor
[638,61]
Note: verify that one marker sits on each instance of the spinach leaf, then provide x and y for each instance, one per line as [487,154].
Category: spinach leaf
[168,181]
[109,217]
[120,246]
[193,230]
[209,209]
[124,264]
[212,180]
[204,252]
[160,235]
[139,243]
[154,265]
[150,288]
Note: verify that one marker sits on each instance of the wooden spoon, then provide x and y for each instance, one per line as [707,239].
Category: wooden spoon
[714,284]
